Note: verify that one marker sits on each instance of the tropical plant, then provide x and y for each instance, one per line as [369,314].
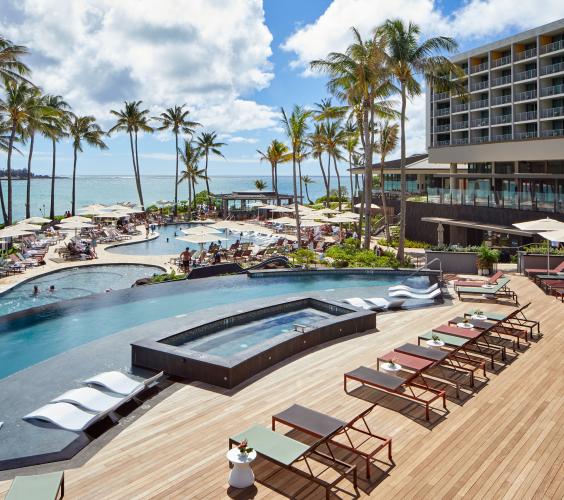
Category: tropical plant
[317,148]
[386,143]
[335,138]
[260,184]
[303,257]
[83,129]
[350,145]
[176,119]
[296,127]
[207,142]
[307,180]
[487,257]
[132,119]
[406,58]
[275,154]
[190,156]
[12,69]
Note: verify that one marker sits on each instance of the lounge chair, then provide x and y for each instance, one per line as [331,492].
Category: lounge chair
[514,318]
[558,269]
[120,383]
[360,303]
[496,291]
[434,286]
[288,453]
[92,399]
[395,385]
[49,486]
[385,303]
[491,281]
[318,425]
[411,295]
[66,416]
[540,278]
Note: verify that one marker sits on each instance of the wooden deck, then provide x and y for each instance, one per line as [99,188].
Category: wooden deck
[505,440]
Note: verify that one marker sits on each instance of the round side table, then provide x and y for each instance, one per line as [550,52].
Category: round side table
[241,475]
[435,344]
[391,368]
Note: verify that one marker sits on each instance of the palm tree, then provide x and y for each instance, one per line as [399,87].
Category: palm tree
[176,119]
[407,58]
[55,130]
[11,68]
[207,142]
[359,77]
[131,120]
[307,180]
[335,138]
[275,154]
[296,128]
[260,184]
[387,142]
[190,157]
[350,146]
[83,128]
[317,148]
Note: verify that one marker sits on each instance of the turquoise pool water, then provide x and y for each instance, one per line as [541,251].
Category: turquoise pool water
[72,283]
[240,338]
[39,336]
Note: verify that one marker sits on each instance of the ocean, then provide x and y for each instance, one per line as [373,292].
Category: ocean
[112,189]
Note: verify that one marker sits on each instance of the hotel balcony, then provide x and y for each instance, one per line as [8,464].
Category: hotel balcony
[552,68]
[479,86]
[525,116]
[501,119]
[526,96]
[526,54]
[480,139]
[502,137]
[479,104]
[441,97]
[552,133]
[526,135]
[459,108]
[460,141]
[460,125]
[442,112]
[501,80]
[442,143]
[554,90]
[552,112]
[552,47]
[480,122]
[500,100]
[478,68]
[526,75]
[441,128]
[502,61]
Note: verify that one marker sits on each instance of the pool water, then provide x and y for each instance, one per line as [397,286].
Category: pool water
[167,244]
[39,336]
[237,339]
[73,283]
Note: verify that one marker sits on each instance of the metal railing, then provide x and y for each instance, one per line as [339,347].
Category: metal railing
[501,80]
[501,119]
[479,86]
[460,141]
[480,140]
[501,99]
[526,54]
[479,67]
[442,143]
[552,68]
[524,96]
[502,137]
[479,104]
[425,267]
[440,96]
[551,47]
[502,61]
[442,112]
[441,128]
[526,115]
[554,90]
[480,122]
[552,133]
[526,135]
[459,125]
[460,107]
[525,75]
[552,112]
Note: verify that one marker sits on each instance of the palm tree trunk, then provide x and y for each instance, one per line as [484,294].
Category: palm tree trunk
[189,199]
[176,177]
[307,193]
[328,180]
[301,183]
[9,172]
[403,186]
[351,181]
[194,190]
[296,210]
[53,169]
[28,183]
[383,194]
[367,176]
[338,181]
[139,188]
[74,181]
[324,177]
[207,179]
[4,214]
[276,184]
[135,173]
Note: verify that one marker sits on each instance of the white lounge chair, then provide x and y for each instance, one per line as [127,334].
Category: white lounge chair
[90,399]
[410,295]
[358,302]
[385,303]
[65,416]
[120,383]
[414,290]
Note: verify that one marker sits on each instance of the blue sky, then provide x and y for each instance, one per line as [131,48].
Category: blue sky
[234,62]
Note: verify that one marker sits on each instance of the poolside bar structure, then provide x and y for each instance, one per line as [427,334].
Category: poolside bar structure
[241,202]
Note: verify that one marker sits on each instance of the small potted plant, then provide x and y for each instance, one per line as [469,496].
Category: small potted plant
[436,338]
[244,448]
[392,365]
[486,258]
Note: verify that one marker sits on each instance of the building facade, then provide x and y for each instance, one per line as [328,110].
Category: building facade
[508,129]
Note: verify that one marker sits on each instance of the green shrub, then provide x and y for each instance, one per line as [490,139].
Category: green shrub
[303,256]
[172,276]
[408,243]
[349,254]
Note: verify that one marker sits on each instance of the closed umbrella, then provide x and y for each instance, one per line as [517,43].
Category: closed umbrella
[540,226]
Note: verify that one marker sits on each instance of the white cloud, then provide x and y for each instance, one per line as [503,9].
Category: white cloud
[158,156]
[206,53]
[237,139]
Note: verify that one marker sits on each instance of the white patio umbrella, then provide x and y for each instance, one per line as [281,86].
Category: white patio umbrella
[88,209]
[373,206]
[557,235]
[282,210]
[285,220]
[311,223]
[350,215]
[541,226]
[201,239]
[267,207]
[35,220]
[75,218]
[24,226]
[341,220]
[224,224]
[75,225]
[109,215]
[202,221]
[327,211]
[164,203]
[13,232]
[200,230]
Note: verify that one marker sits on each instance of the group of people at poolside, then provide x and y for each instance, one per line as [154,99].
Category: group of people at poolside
[187,258]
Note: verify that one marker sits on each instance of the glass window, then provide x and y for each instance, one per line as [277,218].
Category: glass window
[531,167]
[479,168]
[504,167]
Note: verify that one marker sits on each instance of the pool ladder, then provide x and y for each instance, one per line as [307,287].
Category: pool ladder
[425,267]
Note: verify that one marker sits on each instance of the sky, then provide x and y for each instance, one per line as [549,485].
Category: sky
[234,63]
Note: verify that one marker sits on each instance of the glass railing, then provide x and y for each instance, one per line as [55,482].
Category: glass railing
[526,54]
[552,133]
[496,120]
[552,112]
[441,128]
[501,80]
[479,104]
[457,108]
[502,137]
[552,68]
[459,125]
[480,139]
[554,90]
[479,86]
[501,99]
[525,75]
[526,135]
[479,67]
[480,122]
[551,47]
[460,141]
[502,61]
[441,96]
[442,112]
[526,115]
[442,143]
[524,96]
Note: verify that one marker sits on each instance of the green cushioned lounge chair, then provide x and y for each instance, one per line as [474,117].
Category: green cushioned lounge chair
[41,487]
[496,291]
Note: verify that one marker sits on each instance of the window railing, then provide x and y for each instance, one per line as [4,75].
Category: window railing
[551,47]
[460,107]
[526,115]
[459,125]
[526,135]
[552,112]
[501,99]
[479,67]
[479,104]
[441,128]
[480,122]
[552,133]
[479,86]
[552,68]
[442,112]
[460,141]
[501,80]
[441,96]
[496,120]
[502,137]
[526,54]
[480,140]
[502,61]
[554,90]
[524,96]
[525,75]
[442,143]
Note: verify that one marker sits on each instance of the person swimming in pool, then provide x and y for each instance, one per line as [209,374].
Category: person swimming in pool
[52,288]
[35,290]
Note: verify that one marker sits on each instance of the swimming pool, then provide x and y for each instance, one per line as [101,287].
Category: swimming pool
[29,338]
[167,244]
[72,283]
